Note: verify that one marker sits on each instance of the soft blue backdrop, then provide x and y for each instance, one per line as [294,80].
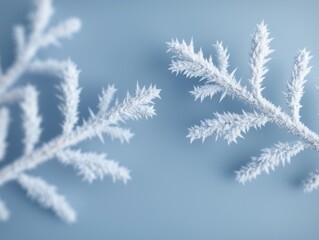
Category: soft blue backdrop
[179,190]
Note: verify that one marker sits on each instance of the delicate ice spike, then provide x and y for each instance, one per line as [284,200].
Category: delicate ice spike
[70,96]
[295,87]
[66,29]
[106,98]
[260,52]
[227,125]
[31,119]
[269,160]
[93,166]
[4,127]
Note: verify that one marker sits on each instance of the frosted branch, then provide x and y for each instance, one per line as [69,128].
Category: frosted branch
[131,108]
[28,46]
[93,166]
[48,66]
[207,90]
[269,160]
[230,126]
[41,16]
[4,126]
[296,86]
[15,95]
[31,119]
[107,120]
[106,98]
[260,51]
[227,125]
[135,107]
[47,196]
[70,96]
[64,30]
[122,134]
[222,57]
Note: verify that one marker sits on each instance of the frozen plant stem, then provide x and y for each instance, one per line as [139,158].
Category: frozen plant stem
[40,37]
[110,115]
[230,126]
[131,108]
[273,113]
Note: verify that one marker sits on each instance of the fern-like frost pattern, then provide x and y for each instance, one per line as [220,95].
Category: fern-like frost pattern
[108,119]
[217,79]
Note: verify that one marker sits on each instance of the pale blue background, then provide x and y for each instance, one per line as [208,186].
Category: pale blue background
[179,190]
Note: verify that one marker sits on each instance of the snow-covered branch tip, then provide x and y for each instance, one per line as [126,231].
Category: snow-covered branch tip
[217,79]
[28,43]
[46,195]
[108,120]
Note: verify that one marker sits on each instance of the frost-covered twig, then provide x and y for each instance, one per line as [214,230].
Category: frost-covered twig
[4,125]
[93,166]
[217,79]
[138,106]
[31,119]
[46,195]
[107,121]
[40,37]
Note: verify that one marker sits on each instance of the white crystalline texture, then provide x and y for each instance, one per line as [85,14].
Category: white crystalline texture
[216,78]
[227,125]
[27,46]
[260,51]
[47,196]
[108,119]
[106,98]
[70,96]
[93,166]
[296,86]
[31,119]
[4,125]
[269,160]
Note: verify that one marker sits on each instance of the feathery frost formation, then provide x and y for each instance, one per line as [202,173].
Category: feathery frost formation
[216,78]
[108,119]
[40,37]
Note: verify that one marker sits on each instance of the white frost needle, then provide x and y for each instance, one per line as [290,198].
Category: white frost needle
[4,125]
[216,78]
[93,166]
[31,119]
[296,85]
[70,95]
[47,195]
[269,160]
[106,98]
[260,51]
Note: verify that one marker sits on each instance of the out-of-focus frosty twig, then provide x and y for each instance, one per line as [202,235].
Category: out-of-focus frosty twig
[107,120]
[40,36]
